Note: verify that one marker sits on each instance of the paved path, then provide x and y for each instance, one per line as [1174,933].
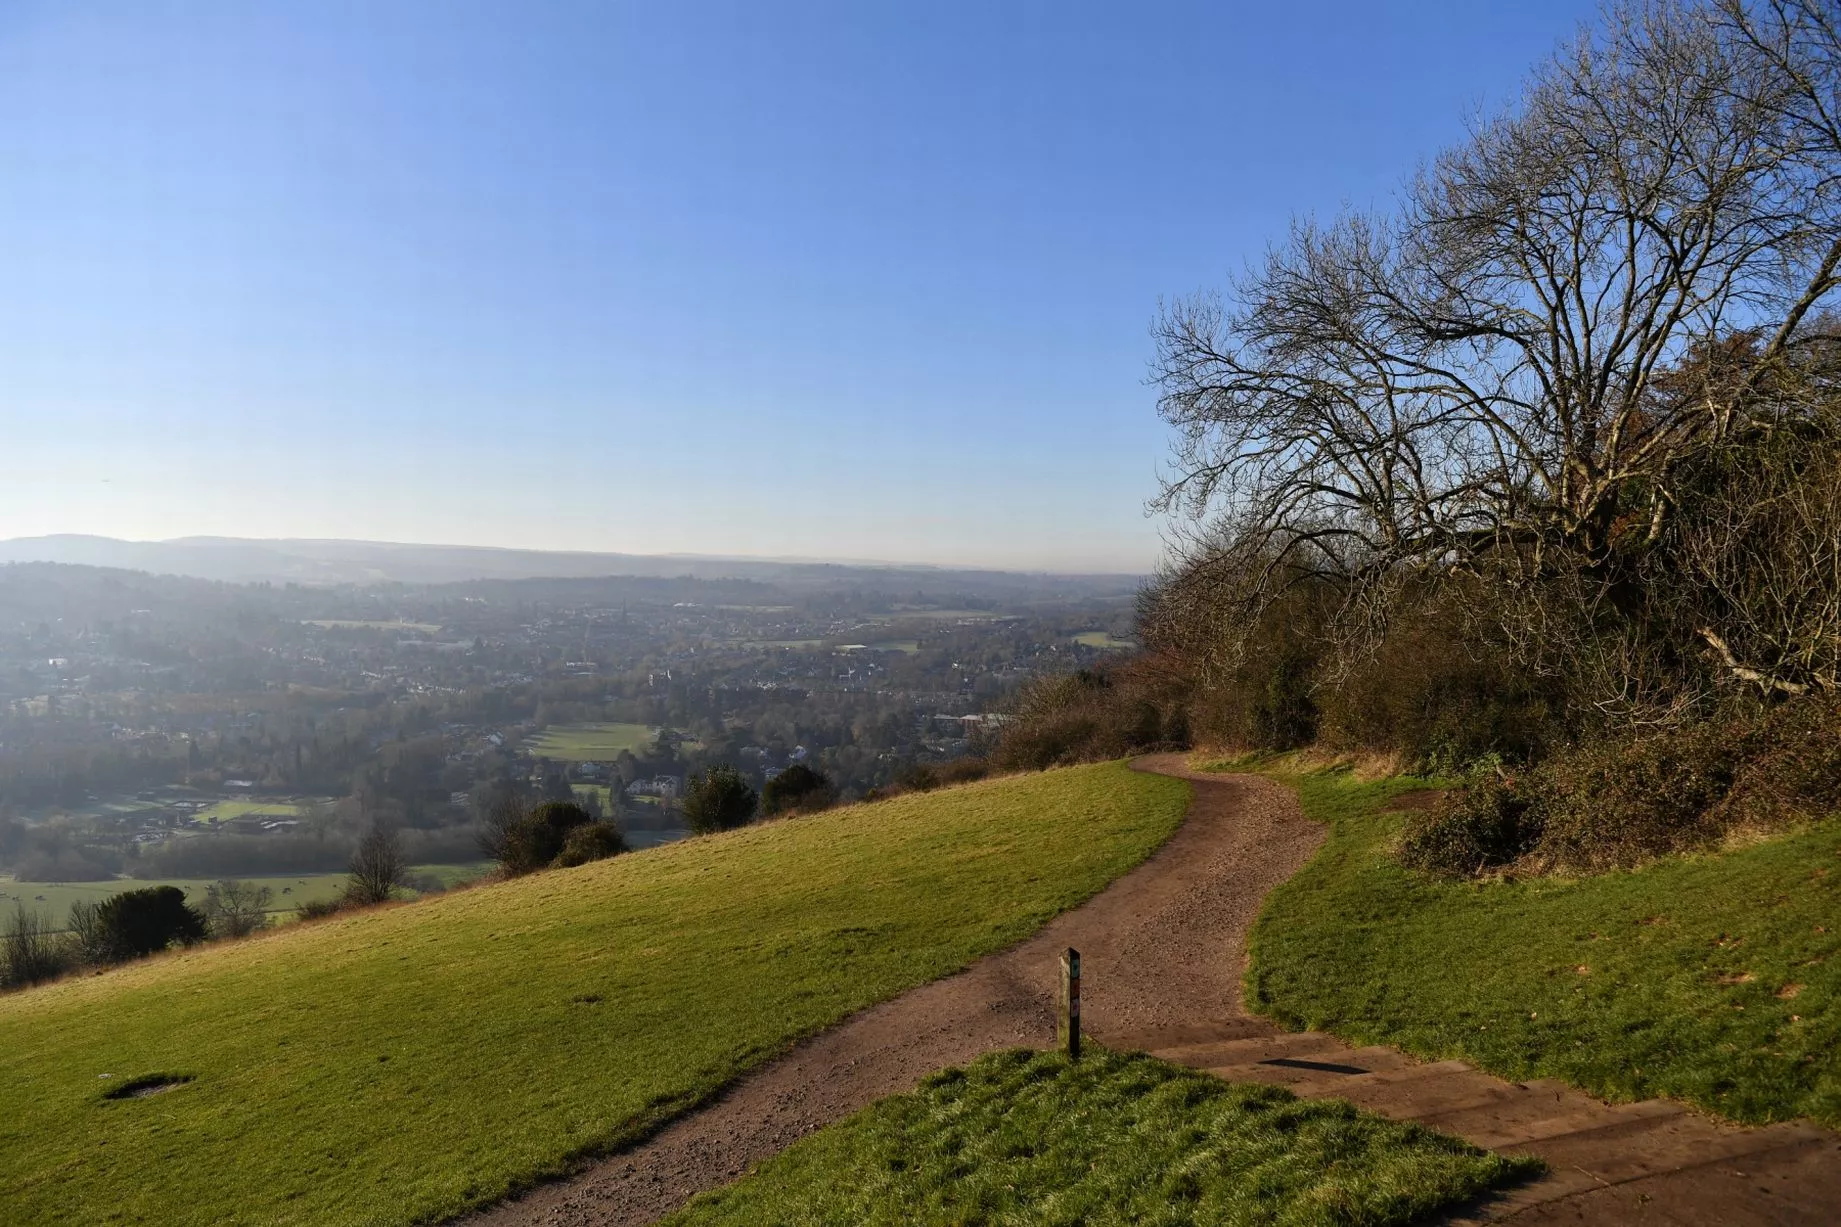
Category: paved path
[1162,953]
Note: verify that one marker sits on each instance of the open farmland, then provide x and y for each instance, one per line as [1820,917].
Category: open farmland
[584,1006]
[590,742]
[289,891]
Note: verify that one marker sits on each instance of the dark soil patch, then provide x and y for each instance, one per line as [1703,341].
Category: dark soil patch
[147,1084]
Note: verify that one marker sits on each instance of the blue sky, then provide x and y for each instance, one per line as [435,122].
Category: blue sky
[866,280]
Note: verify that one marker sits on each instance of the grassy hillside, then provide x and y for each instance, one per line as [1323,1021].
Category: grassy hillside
[400,1065]
[1032,1138]
[1712,979]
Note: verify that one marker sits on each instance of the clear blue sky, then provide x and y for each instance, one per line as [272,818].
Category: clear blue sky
[857,280]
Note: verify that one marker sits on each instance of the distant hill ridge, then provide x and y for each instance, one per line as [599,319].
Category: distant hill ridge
[301,561]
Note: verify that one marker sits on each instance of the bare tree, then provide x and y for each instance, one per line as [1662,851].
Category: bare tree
[29,951]
[235,908]
[1511,375]
[377,867]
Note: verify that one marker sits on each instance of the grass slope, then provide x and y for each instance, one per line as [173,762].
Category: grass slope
[1711,979]
[400,1065]
[1031,1138]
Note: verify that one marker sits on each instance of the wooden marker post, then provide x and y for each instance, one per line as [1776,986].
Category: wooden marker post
[1067,1026]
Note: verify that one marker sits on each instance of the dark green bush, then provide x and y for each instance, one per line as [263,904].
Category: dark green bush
[595,841]
[1483,827]
[719,799]
[798,789]
[137,923]
[536,840]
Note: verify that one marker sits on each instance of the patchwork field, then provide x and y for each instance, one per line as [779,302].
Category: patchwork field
[590,742]
[1103,640]
[451,1050]
[1714,979]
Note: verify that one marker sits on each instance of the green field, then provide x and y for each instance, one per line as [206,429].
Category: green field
[1712,979]
[290,891]
[344,624]
[1103,640]
[904,615]
[222,810]
[591,742]
[403,1064]
[1030,1137]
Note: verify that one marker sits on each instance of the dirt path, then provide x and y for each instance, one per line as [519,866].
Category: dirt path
[1162,952]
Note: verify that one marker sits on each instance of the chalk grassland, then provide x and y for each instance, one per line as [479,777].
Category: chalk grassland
[590,742]
[1031,1137]
[289,892]
[399,1065]
[1713,979]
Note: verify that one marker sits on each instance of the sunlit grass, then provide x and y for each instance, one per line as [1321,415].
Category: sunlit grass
[1025,1137]
[400,1065]
[1712,979]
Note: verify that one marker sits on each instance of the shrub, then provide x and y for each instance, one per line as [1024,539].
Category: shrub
[538,839]
[142,922]
[30,953]
[1482,827]
[798,789]
[377,868]
[1089,715]
[595,841]
[236,909]
[87,931]
[1616,804]
[962,771]
[719,799]
[319,909]
[917,777]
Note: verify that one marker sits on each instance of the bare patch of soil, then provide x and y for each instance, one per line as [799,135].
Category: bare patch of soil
[145,1085]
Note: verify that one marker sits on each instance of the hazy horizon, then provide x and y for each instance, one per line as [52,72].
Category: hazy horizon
[789,559]
[819,282]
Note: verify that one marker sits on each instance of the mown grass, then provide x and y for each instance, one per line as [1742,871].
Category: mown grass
[590,742]
[401,1065]
[1025,1137]
[1712,979]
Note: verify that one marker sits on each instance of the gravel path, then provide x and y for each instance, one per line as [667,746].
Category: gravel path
[1162,952]
[1158,954]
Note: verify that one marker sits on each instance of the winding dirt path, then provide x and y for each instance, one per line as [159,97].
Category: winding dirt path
[1162,951]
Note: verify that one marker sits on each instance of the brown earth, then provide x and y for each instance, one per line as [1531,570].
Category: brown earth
[1162,951]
